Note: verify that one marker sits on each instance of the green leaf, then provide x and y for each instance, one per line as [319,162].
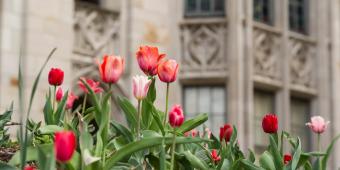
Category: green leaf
[195,161]
[251,156]
[329,150]
[151,96]
[46,158]
[276,154]
[121,130]
[146,113]
[48,110]
[49,129]
[143,144]
[296,156]
[193,123]
[31,154]
[156,117]
[4,166]
[266,161]
[95,101]
[129,110]
[60,113]
[250,165]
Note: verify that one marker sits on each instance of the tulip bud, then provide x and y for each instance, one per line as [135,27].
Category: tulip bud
[287,158]
[270,123]
[225,132]
[64,145]
[148,59]
[55,77]
[70,100]
[140,86]
[30,167]
[93,85]
[111,69]
[167,71]
[176,116]
[59,94]
[214,156]
[318,124]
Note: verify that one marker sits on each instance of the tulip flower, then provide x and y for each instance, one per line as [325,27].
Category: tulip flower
[176,119]
[208,132]
[148,59]
[55,77]
[167,71]
[93,85]
[270,123]
[176,116]
[111,69]
[317,124]
[140,86]
[287,158]
[59,94]
[70,100]
[64,145]
[30,167]
[192,133]
[225,132]
[214,156]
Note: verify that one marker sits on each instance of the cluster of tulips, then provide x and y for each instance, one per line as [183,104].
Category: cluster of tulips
[86,137]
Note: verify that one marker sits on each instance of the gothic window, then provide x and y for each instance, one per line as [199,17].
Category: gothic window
[206,99]
[299,109]
[204,8]
[298,18]
[263,11]
[264,102]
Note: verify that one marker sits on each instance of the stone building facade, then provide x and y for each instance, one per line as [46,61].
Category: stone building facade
[239,58]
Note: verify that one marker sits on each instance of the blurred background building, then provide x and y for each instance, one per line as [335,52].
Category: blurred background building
[239,59]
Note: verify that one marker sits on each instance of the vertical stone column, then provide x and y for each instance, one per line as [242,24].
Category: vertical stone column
[334,7]
[236,65]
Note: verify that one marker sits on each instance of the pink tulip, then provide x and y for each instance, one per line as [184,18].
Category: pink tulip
[317,124]
[59,94]
[64,145]
[70,100]
[148,59]
[176,116]
[167,71]
[93,85]
[111,69]
[140,85]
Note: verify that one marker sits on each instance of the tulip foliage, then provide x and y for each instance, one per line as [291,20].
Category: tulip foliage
[88,138]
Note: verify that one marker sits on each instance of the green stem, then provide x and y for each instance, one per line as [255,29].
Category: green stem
[173,150]
[84,104]
[166,104]
[54,95]
[319,149]
[138,120]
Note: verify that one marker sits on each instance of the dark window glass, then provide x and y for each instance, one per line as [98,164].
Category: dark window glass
[263,11]
[298,17]
[204,8]
[96,2]
[299,113]
[206,99]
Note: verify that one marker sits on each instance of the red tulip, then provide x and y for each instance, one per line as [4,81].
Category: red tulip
[29,167]
[176,116]
[148,59]
[287,158]
[70,100]
[55,77]
[167,71]
[93,85]
[215,157]
[225,132]
[59,94]
[64,145]
[270,123]
[111,69]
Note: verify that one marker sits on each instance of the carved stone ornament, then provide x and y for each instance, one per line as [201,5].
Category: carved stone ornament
[266,53]
[203,47]
[301,62]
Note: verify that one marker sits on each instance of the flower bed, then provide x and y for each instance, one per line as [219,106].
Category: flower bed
[153,139]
